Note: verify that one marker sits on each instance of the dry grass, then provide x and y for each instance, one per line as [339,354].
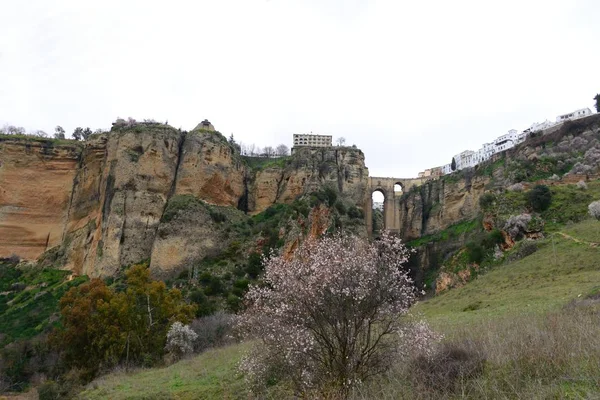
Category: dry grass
[556,355]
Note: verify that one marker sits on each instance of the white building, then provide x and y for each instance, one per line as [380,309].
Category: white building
[469,158]
[301,140]
[378,205]
[582,112]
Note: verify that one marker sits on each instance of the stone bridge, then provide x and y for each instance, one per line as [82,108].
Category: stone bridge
[391,209]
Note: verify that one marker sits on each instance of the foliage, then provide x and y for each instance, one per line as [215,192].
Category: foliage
[184,202]
[102,328]
[262,163]
[594,209]
[453,164]
[539,198]
[452,232]
[328,317]
[180,340]
[213,330]
[29,300]
[597,105]
[486,201]
[475,252]
[59,132]
[77,133]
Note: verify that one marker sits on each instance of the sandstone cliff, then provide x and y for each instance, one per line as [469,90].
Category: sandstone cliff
[36,180]
[104,201]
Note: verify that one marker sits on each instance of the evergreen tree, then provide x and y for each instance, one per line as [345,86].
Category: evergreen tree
[453,164]
[597,98]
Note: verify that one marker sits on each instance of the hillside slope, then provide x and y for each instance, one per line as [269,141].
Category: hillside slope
[528,291]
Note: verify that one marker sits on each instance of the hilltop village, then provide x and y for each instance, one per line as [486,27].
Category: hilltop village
[470,158]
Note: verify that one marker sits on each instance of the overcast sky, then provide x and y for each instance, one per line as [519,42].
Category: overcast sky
[411,83]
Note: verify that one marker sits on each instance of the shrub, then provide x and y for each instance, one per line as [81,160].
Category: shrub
[355,212]
[218,216]
[487,200]
[338,327]
[450,365]
[492,239]
[581,185]
[594,209]
[49,390]
[212,331]
[180,340]
[475,253]
[340,207]
[540,198]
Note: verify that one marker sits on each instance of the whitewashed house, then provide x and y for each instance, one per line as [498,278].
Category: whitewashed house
[582,112]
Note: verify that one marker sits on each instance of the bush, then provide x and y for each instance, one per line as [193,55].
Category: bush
[218,216]
[486,201]
[581,185]
[355,212]
[337,328]
[450,365]
[492,239]
[540,198]
[340,207]
[180,340]
[594,209]
[212,331]
[475,253]
[49,390]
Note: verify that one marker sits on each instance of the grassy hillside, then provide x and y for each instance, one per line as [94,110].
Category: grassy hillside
[520,317]
[29,298]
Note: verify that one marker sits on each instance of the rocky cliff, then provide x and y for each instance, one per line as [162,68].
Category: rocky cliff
[110,201]
[36,181]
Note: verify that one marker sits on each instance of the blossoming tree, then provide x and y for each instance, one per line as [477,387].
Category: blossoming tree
[329,317]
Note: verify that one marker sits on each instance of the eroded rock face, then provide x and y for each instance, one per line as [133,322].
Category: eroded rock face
[36,179]
[119,198]
[307,171]
[438,204]
[104,200]
[209,170]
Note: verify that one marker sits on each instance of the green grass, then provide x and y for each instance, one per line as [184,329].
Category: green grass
[525,297]
[26,313]
[43,140]
[551,277]
[451,232]
[569,204]
[262,163]
[210,375]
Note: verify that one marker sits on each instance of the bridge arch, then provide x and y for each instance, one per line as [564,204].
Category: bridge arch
[391,205]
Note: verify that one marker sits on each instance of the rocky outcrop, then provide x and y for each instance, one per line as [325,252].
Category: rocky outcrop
[210,170]
[437,204]
[118,198]
[36,180]
[307,171]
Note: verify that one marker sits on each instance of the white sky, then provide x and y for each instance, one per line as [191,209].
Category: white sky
[411,83]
